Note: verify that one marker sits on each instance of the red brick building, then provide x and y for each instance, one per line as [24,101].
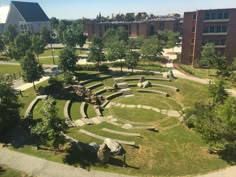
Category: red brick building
[216,26]
[143,28]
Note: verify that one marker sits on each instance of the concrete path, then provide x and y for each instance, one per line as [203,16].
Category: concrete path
[43,168]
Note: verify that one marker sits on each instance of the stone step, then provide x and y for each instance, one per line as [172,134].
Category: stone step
[87,121]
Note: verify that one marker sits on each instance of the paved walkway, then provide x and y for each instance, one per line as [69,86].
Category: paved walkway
[43,168]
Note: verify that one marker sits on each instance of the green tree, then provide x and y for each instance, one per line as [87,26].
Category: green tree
[47,37]
[135,43]
[54,22]
[9,105]
[21,45]
[50,128]
[61,28]
[212,59]
[129,17]
[70,38]
[115,49]
[67,60]
[173,39]
[38,45]
[132,60]
[2,44]
[96,51]
[10,34]
[217,92]
[31,70]
[152,48]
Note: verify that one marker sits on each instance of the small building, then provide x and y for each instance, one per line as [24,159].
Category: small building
[24,16]
[216,26]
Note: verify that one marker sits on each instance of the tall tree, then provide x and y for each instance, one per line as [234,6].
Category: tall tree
[22,44]
[131,60]
[2,44]
[10,34]
[96,51]
[212,59]
[9,105]
[217,92]
[47,36]
[38,45]
[50,127]
[152,48]
[31,70]
[67,59]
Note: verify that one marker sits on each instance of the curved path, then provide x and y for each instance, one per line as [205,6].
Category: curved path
[39,167]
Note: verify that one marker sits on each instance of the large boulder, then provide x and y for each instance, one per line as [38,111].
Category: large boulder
[104,153]
[146,84]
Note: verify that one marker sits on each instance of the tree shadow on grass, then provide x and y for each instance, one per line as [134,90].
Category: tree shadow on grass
[2,170]
[81,154]
[228,155]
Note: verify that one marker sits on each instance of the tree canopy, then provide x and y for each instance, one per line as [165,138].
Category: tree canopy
[152,48]
[67,59]
[9,105]
[50,127]
[96,50]
[31,70]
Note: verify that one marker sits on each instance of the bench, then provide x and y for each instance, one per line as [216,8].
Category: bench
[159,79]
[95,86]
[153,91]
[82,110]
[30,108]
[114,95]
[99,92]
[131,143]
[166,86]
[121,133]
[66,109]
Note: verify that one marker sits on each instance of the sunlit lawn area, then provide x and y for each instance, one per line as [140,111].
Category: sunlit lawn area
[200,72]
[173,151]
[10,69]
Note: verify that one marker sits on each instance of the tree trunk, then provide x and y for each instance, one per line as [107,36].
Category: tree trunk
[52,54]
[34,86]
[37,57]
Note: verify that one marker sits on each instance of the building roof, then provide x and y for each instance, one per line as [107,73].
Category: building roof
[30,11]
[3,13]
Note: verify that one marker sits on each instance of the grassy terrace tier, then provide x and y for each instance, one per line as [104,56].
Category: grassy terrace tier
[173,151]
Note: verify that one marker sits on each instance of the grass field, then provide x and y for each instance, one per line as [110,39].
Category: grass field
[173,151]
[10,69]
[200,72]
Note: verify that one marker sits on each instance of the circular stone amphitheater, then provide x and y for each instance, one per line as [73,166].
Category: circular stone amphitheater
[143,112]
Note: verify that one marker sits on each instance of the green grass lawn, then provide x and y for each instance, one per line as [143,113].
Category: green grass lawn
[200,72]
[9,172]
[134,114]
[90,111]
[10,69]
[174,151]
[75,111]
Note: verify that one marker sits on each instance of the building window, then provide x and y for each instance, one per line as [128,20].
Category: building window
[216,15]
[216,42]
[226,15]
[215,29]
[193,29]
[207,16]
[194,16]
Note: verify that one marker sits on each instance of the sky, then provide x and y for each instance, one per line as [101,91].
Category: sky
[74,9]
